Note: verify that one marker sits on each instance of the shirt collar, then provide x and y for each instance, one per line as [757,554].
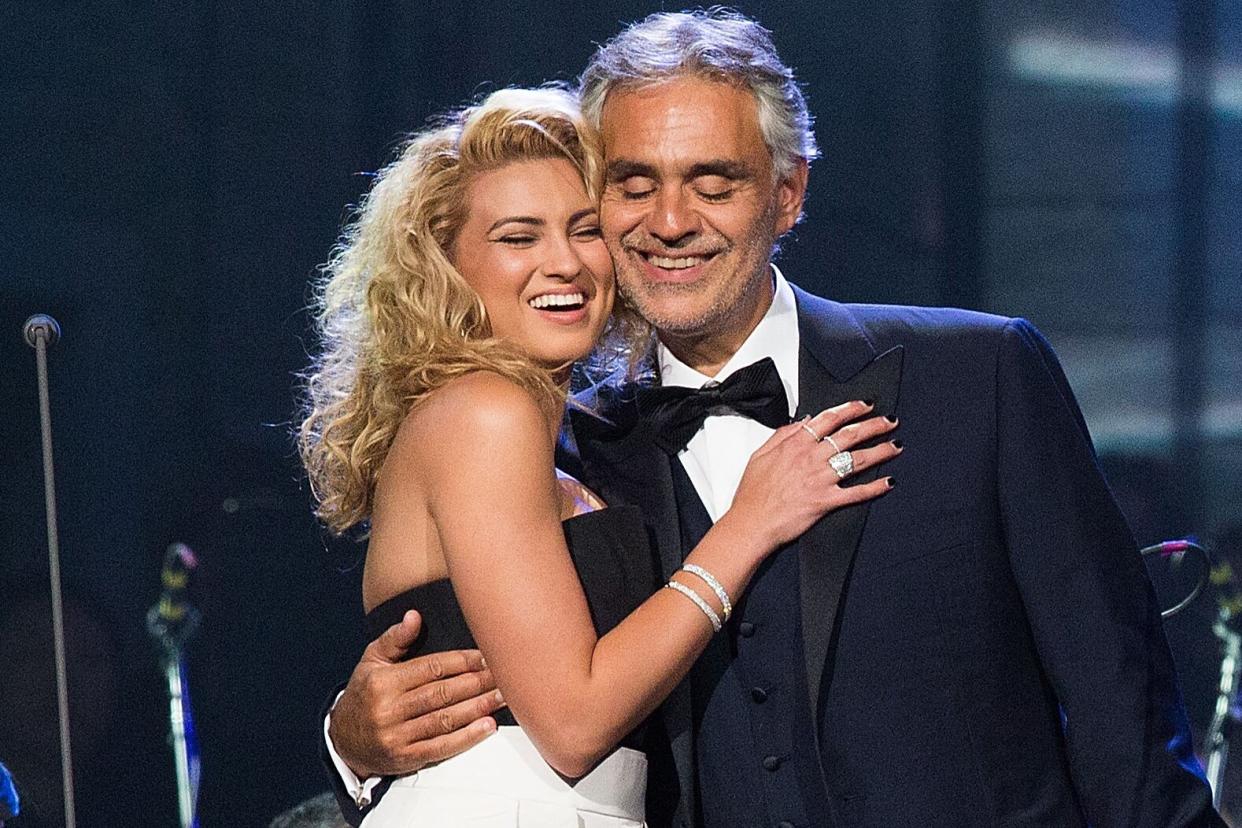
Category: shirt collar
[775,336]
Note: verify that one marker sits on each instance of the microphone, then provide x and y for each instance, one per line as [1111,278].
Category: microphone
[171,622]
[172,619]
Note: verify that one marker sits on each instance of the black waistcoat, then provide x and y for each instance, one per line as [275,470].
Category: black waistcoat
[755,754]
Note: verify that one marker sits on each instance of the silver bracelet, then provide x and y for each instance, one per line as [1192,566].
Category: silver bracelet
[698,602]
[710,580]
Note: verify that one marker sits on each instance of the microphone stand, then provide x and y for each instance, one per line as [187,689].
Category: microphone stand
[171,624]
[41,331]
[1217,740]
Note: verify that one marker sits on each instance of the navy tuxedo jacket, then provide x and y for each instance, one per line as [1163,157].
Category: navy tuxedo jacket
[982,645]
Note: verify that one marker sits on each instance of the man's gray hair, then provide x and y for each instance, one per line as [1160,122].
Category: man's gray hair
[717,44]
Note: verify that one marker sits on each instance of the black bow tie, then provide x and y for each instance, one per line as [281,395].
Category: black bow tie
[676,414]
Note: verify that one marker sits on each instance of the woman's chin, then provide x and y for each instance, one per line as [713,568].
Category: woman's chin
[559,354]
[561,362]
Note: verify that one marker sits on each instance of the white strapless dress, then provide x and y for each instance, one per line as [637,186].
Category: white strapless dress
[503,782]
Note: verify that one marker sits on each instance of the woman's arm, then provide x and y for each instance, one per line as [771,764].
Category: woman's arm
[479,455]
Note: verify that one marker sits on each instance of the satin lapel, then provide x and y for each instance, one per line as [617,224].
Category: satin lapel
[836,364]
[625,466]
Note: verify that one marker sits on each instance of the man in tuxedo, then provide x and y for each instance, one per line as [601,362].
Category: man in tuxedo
[979,647]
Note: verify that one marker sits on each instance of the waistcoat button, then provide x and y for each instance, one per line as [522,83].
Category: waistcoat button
[746,629]
[759,695]
[771,763]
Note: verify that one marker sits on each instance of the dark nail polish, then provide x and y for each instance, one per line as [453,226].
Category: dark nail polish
[892,482]
[892,418]
[868,403]
[897,444]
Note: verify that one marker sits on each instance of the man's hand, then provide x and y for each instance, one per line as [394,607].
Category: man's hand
[395,716]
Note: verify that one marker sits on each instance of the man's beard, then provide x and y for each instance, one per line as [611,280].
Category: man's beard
[725,292]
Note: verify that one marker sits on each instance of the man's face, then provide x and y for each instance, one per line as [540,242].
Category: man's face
[692,207]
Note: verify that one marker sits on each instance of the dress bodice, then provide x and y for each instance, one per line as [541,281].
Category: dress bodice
[614,561]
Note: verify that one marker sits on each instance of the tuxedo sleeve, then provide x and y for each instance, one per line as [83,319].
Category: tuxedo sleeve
[1091,608]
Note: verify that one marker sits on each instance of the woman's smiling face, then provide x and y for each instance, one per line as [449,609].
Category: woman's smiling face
[531,248]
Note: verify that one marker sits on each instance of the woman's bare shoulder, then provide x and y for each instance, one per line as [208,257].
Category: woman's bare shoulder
[457,447]
[478,409]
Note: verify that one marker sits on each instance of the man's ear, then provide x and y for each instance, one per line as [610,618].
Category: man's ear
[790,194]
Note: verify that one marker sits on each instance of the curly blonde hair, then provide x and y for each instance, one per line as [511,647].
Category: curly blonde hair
[396,319]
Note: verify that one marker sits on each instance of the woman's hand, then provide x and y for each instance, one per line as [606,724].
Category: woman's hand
[789,483]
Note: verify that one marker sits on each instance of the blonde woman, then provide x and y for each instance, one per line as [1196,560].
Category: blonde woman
[472,279]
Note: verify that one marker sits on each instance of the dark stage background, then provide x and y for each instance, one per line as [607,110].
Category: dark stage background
[174,172]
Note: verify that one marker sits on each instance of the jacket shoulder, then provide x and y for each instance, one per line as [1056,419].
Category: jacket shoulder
[911,320]
[883,322]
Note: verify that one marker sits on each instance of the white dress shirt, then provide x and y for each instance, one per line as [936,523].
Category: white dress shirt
[716,456]
[359,789]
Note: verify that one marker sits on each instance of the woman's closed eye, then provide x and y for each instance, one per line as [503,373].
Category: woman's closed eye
[518,239]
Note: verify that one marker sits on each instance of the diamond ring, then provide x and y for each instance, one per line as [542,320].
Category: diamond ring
[842,463]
